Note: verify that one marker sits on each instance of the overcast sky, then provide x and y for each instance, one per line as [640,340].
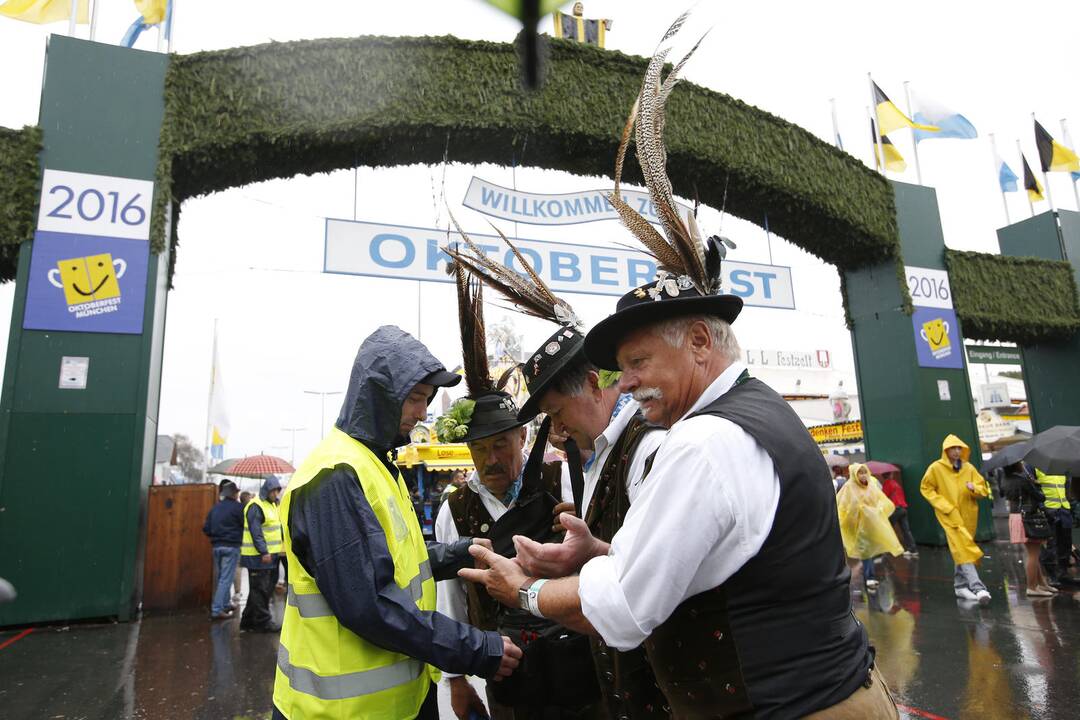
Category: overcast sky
[251,257]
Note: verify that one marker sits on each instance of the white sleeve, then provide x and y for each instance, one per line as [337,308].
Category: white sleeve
[450,598]
[703,512]
[566,488]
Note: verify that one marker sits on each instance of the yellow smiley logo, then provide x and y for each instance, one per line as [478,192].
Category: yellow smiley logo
[936,333]
[85,279]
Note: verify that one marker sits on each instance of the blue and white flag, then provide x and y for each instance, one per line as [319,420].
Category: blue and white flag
[1006,177]
[1067,139]
[930,112]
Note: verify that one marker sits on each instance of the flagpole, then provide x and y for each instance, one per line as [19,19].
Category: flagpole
[1020,150]
[93,19]
[997,169]
[873,123]
[836,128]
[74,18]
[1046,177]
[1066,138]
[210,396]
[170,17]
[914,139]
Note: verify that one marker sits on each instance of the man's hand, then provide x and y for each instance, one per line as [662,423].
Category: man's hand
[971,487]
[555,560]
[563,507]
[484,543]
[502,578]
[266,559]
[463,699]
[511,653]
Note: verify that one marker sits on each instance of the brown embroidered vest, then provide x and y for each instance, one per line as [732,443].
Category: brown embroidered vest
[627,683]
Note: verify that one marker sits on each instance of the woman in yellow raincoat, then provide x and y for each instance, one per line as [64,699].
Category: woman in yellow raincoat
[953,486]
[864,512]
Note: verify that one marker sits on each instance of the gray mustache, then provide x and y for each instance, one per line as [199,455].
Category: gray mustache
[643,394]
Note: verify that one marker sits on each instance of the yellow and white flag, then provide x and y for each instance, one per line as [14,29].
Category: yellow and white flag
[41,12]
[217,419]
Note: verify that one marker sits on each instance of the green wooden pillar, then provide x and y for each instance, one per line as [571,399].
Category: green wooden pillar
[76,463]
[1051,369]
[905,418]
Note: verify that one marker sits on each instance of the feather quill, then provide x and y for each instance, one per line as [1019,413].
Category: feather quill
[473,339]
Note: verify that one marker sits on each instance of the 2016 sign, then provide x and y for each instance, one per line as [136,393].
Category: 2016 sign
[928,287]
[101,205]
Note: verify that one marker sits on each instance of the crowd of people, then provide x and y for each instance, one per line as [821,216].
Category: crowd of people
[692,525]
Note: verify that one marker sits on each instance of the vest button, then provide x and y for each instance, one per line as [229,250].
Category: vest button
[730,688]
[484,527]
[609,677]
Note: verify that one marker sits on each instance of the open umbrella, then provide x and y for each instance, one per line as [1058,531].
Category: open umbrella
[1056,451]
[878,468]
[835,460]
[1007,456]
[258,465]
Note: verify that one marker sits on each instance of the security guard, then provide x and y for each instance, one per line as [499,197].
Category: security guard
[259,551]
[1058,552]
[361,637]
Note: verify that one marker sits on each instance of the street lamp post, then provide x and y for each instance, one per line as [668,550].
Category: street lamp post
[322,407]
[292,453]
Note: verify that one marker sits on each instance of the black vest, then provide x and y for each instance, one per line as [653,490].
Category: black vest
[627,685]
[777,639]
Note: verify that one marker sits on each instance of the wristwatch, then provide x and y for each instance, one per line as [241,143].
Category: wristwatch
[523,593]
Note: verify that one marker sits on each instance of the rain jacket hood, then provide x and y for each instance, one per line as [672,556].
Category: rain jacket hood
[270,483]
[387,367]
[953,441]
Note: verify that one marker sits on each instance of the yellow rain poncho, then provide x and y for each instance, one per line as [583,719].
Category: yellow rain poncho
[956,507]
[864,518]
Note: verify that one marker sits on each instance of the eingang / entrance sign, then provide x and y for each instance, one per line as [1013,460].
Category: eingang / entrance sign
[403,252]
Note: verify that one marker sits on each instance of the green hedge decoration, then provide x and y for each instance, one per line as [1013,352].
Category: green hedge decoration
[20,183]
[1019,299]
[249,114]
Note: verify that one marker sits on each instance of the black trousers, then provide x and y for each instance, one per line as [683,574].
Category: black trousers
[428,711]
[899,519]
[261,587]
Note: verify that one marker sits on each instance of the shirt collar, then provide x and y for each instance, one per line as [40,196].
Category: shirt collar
[511,494]
[718,387]
[625,408]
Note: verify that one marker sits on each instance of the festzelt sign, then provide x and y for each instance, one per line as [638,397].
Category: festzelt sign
[398,251]
[555,209]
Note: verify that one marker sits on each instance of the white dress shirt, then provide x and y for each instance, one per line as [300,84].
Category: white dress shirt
[706,508]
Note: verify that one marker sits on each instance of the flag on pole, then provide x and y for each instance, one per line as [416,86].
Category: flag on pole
[1033,186]
[889,116]
[1067,139]
[41,12]
[1006,177]
[1054,156]
[894,161]
[218,419]
[950,124]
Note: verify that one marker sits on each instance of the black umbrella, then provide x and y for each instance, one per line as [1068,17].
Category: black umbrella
[1007,456]
[1056,451]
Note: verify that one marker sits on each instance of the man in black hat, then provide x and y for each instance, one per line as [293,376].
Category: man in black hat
[729,566]
[500,500]
[585,406]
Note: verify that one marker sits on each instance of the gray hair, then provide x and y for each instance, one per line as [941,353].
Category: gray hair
[674,332]
[571,379]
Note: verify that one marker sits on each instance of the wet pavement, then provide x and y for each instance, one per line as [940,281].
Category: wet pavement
[1018,657]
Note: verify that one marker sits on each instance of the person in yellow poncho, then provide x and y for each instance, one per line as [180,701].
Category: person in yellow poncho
[864,512]
[953,486]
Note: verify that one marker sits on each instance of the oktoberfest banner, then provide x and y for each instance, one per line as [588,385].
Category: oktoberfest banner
[412,253]
[555,209]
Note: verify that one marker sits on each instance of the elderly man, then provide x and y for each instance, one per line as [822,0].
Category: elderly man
[501,499]
[584,405]
[361,636]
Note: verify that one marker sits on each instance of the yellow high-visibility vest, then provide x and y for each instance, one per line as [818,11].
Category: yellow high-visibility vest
[1053,487]
[324,670]
[271,529]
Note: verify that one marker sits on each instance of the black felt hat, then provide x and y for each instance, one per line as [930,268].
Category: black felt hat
[565,346]
[494,413]
[667,297]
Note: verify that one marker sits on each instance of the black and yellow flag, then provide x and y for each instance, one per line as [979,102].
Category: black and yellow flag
[889,116]
[894,161]
[1054,156]
[1034,187]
